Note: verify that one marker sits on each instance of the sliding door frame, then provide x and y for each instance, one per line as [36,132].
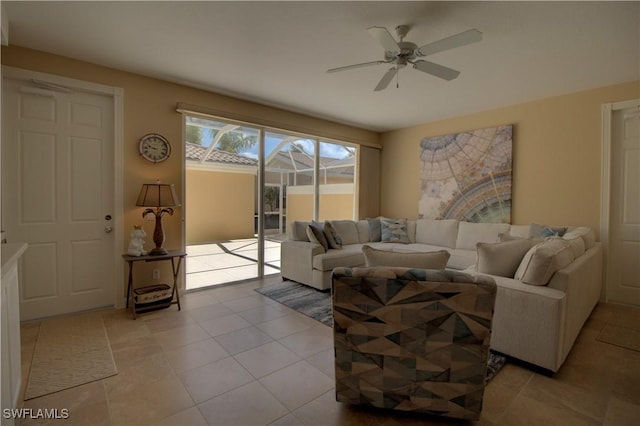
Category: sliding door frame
[261,175]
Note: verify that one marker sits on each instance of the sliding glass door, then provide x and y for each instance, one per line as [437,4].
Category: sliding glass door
[245,184]
[220,205]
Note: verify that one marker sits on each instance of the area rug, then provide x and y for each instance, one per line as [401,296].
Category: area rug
[317,305]
[304,299]
[69,352]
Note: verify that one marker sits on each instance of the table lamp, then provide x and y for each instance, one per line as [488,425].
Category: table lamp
[162,197]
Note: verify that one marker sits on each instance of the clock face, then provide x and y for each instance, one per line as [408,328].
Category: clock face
[154,147]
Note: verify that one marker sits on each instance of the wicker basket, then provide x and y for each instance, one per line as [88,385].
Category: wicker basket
[151,294]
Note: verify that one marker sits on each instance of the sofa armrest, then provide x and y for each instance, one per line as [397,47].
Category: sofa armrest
[582,283]
[296,260]
[584,274]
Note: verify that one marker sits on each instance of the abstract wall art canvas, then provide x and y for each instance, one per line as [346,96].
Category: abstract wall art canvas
[467,176]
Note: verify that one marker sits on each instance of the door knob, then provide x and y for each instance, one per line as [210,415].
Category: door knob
[108,229]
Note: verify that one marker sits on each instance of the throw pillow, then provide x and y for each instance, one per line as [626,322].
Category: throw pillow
[501,259]
[508,237]
[543,231]
[583,232]
[333,238]
[428,260]
[543,260]
[374,230]
[316,235]
[577,245]
[502,237]
[394,231]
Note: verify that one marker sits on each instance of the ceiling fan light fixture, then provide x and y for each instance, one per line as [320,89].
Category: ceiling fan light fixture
[400,53]
[402,31]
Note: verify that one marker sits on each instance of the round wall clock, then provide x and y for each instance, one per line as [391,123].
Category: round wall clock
[154,148]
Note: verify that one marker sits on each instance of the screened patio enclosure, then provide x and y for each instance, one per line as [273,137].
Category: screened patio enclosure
[304,178]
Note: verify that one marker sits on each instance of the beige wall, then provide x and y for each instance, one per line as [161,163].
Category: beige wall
[332,207]
[299,207]
[150,106]
[556,157]
[335,206]
[219,206]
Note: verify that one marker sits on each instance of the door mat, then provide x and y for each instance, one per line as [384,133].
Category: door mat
[317,305]
[69,352]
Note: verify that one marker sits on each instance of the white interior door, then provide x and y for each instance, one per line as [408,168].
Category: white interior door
[623,269]
[58,192]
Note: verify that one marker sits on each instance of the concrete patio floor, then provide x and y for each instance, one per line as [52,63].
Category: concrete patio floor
[229,261]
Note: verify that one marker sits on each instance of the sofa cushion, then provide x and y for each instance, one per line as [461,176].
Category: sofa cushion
[501,259]
[577,246]
[315,232]
[543,260]
[411,231]
[437,232]
[334,239]
[461,259]
[347,230]
[510,237]
[407,248]
[374,229]
[429,260]
[298,230]
[521,231]
[537,230]
[585,233]
[362,227]
[470,233]
[349,256]
[394,231]
[391,246]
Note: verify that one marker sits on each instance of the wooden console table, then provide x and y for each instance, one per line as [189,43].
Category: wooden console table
[175,256]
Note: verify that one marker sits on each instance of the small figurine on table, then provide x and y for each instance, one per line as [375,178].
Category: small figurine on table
[136,244]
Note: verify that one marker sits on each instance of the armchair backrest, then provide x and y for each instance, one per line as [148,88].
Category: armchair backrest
[412,339]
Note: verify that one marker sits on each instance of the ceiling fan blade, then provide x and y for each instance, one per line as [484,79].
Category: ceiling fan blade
[350,67]
[436,70]
[458,40]
[386,79]
[385,38]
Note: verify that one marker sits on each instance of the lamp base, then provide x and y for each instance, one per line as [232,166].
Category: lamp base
[158,251]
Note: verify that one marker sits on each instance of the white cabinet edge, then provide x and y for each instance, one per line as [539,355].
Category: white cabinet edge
[11,252]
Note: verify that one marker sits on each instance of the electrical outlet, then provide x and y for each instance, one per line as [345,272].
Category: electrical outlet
[156,274]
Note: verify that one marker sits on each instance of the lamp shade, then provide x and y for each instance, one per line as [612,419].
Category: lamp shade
[157,195]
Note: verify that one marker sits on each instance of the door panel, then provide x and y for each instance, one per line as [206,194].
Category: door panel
[623,278]
[37,152]
[85,179]
[57,189]
[39,272]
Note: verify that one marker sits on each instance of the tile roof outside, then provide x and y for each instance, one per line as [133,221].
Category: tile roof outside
[195,152]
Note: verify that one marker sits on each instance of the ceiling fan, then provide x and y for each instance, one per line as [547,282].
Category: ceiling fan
[404,52]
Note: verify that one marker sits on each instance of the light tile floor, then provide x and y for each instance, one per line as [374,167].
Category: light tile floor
[229,261]
[234,357]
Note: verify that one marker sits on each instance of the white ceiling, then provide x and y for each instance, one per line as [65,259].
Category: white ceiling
[277,53]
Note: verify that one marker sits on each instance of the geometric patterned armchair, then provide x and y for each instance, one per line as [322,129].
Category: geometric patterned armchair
[412,339]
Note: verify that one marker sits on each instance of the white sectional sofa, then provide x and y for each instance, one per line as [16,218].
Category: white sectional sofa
[537,319]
